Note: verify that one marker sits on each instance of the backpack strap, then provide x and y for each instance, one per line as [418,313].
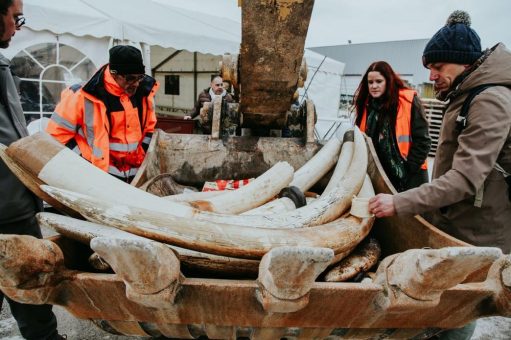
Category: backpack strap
[461,123]
[461,120]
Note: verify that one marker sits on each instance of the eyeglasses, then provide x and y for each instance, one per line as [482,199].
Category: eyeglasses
[219,84]
[133,78]
[19,21]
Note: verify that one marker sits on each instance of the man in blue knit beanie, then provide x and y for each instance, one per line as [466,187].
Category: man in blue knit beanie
[455,43]
[469,195]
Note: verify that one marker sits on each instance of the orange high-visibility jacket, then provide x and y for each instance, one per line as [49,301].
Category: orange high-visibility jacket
[104,125]
[403,123]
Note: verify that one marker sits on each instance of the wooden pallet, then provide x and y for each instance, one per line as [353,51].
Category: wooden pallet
[434,113]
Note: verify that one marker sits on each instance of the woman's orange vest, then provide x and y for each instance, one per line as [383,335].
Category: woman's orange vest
[112,144]
[403,123]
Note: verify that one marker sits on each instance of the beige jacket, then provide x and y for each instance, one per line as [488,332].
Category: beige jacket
[464,162]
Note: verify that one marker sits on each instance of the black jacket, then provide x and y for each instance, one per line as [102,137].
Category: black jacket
[403,173]
[421,144]
[205,97]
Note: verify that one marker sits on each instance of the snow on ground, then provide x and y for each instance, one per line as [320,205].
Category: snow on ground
[494,328]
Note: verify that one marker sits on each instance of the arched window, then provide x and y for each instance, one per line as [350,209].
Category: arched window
[44,70]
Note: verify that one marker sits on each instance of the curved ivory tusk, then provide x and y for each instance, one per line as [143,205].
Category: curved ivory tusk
[193,196]
[257,192]
[32,182]
[84,232]
[321,163]
[315,169]
[361,260]
[367,189]
[344,162]
[324,209]
[360,203]
[276,206]
[304,178]
[58,166]
[215,238]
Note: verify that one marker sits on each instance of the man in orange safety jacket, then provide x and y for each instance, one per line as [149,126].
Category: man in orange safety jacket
[110,120]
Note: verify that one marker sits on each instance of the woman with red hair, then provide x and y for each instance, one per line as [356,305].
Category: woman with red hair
[393,117]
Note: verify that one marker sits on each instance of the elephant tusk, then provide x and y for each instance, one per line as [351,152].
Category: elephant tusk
[220,239]
[84,232]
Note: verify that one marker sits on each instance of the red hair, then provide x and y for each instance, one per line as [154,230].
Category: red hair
[389,99]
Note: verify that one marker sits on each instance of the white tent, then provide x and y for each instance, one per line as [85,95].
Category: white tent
[69,39]
[64,41]
[323,87]
[141,21]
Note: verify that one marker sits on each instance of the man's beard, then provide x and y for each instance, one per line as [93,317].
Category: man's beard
[3,43]
[441,95]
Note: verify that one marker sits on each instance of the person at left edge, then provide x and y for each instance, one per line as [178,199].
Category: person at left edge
[18,206]
[110,120]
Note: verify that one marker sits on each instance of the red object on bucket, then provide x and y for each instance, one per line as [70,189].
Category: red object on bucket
[225,184]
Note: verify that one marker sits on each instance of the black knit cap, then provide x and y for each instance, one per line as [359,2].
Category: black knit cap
[126,60]
[455,43]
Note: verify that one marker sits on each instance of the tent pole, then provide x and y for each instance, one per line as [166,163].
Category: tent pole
[146,50]
[194,76]
[155,69]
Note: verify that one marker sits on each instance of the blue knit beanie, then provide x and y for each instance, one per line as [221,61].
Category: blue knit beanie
[455,43]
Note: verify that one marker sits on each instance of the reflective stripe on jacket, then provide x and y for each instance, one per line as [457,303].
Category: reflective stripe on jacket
[403,123]
[113,138]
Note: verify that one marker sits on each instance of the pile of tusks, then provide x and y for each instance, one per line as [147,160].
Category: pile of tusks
[229,231]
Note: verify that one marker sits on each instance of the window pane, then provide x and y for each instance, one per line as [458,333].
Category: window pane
[56,73]
[52,89]
[46,54]
[172,85]
[83,71]
[29,95]
[24,67]
[69,56]
[51,95]
[49,78]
